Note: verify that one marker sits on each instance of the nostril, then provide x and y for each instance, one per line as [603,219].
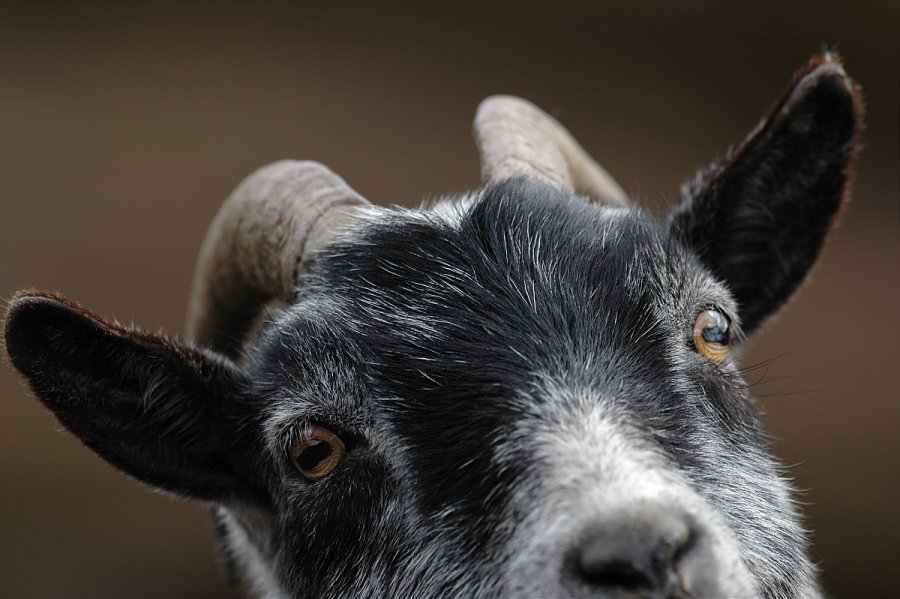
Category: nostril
[636,551]
[625,573]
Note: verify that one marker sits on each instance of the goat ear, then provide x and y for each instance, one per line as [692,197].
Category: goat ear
[156,409]
[759,218]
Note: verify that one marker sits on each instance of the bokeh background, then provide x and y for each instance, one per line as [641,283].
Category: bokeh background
[122,129]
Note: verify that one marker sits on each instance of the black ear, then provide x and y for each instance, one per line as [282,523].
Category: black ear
[160,411]
[759,218]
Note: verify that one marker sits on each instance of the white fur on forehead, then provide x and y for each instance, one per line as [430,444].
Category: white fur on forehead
[450,210]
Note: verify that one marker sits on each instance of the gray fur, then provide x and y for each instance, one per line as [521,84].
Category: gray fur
[515,374]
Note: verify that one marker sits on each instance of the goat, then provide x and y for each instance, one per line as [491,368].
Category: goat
[529,390]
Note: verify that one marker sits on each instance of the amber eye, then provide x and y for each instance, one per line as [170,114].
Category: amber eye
[711,335]
[318,453]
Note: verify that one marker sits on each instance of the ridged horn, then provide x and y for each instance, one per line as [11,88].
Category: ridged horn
[258,244]
[517,139]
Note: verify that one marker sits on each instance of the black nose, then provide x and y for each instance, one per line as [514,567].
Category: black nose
[637,551]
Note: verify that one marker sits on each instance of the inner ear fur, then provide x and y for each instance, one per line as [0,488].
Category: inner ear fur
[759,218]
[159,410]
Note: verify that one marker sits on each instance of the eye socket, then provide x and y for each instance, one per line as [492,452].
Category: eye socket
[712,338]
[318,453]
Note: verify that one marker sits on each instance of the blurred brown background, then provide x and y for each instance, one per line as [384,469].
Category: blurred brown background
[122,130]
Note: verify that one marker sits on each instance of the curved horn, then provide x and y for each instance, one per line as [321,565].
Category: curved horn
[516,138]
[257,245]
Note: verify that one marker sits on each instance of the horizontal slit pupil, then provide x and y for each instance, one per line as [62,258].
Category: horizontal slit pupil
[715,334]
[313,455]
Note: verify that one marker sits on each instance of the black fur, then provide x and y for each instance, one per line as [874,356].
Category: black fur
[158,410]
[430,341]
[448,326]
[759,218]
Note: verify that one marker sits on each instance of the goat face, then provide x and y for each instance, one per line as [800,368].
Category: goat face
[512,393]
